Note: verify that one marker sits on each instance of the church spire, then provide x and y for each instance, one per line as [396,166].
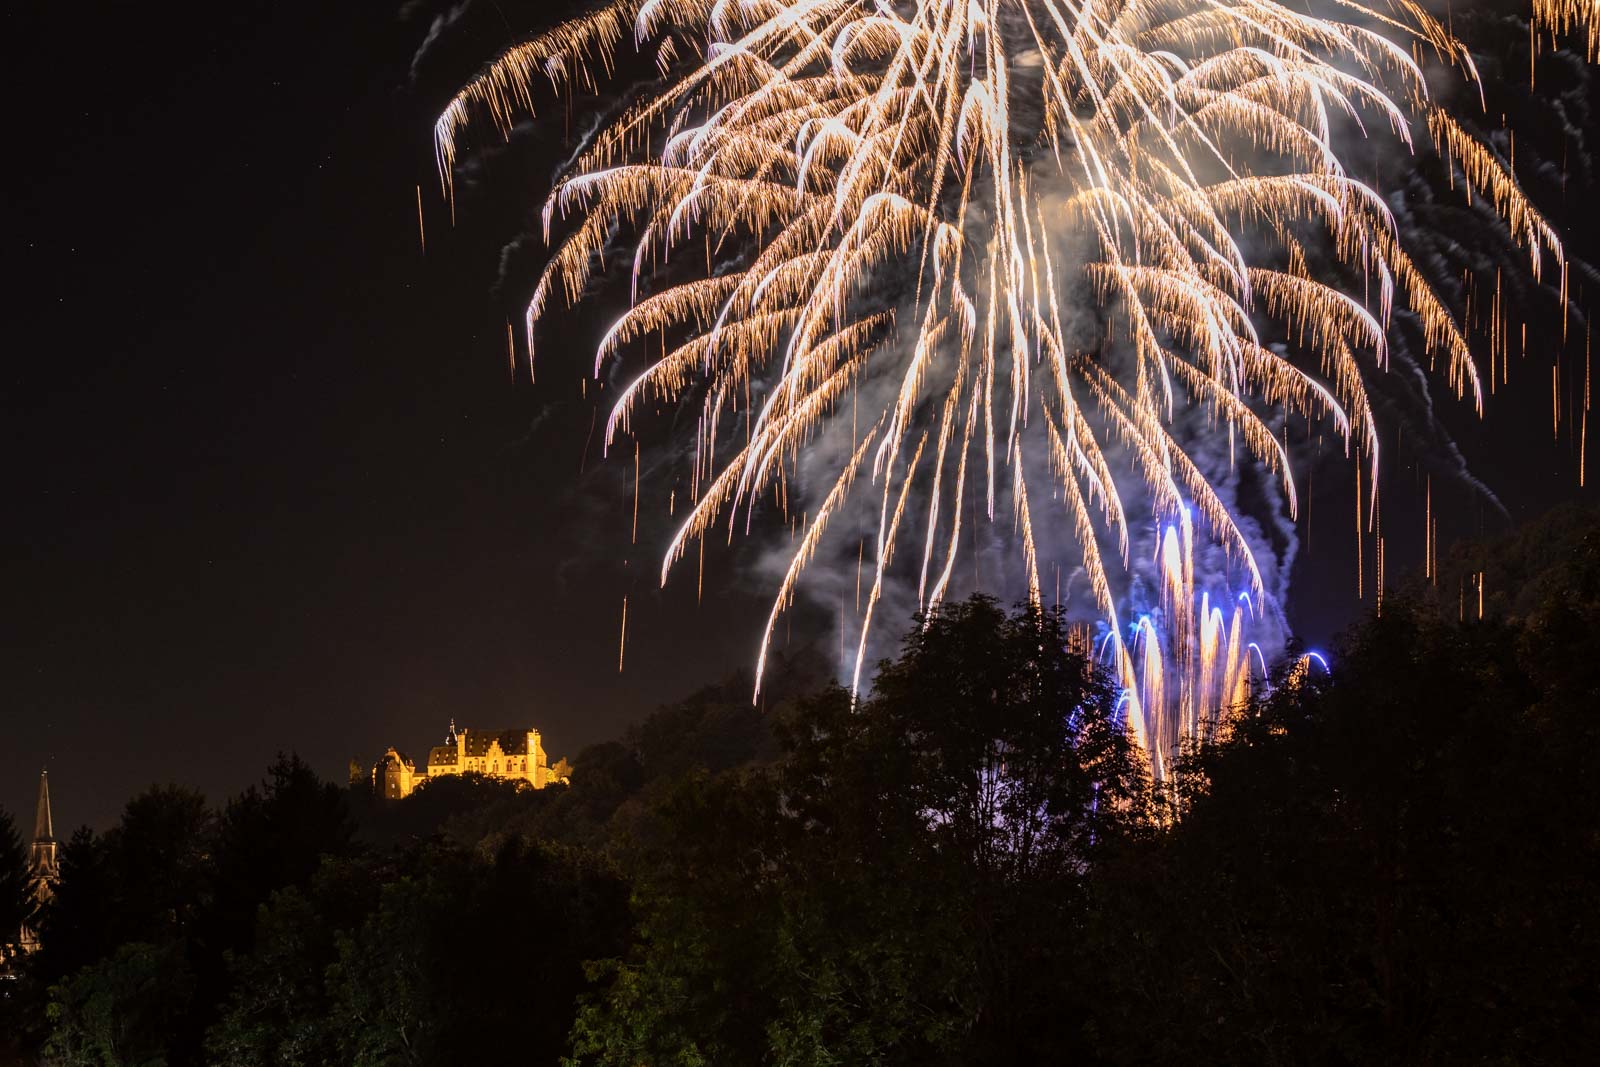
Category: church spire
[43,829]
[43,861]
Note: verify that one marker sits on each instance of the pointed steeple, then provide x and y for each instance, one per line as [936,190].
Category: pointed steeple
[42,854]
[43,865]
[43,829]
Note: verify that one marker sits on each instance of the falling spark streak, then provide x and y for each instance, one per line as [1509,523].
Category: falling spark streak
[1361,550]
[622,642]
[422,234]
[1429,565]
[992,168]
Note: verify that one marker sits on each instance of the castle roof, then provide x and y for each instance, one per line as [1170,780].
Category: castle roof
[512,743]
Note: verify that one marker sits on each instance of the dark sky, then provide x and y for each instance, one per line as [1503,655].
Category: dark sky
[268,484]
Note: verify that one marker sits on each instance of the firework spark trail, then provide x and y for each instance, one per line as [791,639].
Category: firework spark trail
[1088,216]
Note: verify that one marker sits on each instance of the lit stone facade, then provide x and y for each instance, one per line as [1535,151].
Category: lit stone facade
[515,755]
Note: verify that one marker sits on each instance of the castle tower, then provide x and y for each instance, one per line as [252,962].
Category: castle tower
[393,776]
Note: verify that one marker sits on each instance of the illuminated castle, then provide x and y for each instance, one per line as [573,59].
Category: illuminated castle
[516,755]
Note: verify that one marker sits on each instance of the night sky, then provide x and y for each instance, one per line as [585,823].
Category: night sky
[269,483]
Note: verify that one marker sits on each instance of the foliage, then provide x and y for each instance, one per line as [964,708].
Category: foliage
[435,806]
[274,836]
[474,953]
[1542,566]
[16,909]
[875,896]
[280,1012]
[185,883]
[1395,862]
[77,926]
[159,856]
[120,1011]
[16,896]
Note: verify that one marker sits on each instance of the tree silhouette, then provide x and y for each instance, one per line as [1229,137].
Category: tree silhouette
[16,897]
[902,885]
[1382,865]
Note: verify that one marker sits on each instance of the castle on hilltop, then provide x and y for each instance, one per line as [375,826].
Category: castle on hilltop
[514,755]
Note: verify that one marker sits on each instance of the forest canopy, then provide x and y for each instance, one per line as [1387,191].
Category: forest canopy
[1392,861]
